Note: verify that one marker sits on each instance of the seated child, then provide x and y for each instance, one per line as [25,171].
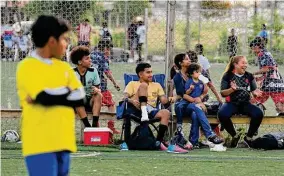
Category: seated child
[196,89]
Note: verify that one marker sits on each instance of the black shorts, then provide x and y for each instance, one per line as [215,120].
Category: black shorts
[88,107]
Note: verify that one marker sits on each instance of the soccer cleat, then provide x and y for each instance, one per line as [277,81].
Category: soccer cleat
[235,141]
[176,149]
[188,146]
[215,139]
[196,146]
[248,142]
[163,147]
[123,147]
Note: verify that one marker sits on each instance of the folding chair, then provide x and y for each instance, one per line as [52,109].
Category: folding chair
[126,127]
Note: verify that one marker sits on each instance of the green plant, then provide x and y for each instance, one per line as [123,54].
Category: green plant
[223,42]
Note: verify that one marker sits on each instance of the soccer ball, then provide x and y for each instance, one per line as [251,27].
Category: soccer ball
[10,136]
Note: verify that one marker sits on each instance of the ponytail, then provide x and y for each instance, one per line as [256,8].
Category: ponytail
[233,60]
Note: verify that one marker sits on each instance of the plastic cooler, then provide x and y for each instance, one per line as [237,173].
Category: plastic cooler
[97,136]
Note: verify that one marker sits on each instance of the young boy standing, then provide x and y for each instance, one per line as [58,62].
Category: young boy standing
[48,90]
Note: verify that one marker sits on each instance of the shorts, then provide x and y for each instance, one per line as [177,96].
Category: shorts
[277,97]
[88,105]
[107,99]
[49,164]
[83,43]
[131,109]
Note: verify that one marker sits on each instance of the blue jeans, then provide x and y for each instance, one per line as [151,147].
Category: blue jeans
[198,119]
[48,164]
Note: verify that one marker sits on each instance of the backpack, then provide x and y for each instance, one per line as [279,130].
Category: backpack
[142,138]
[212,107]
[269,141]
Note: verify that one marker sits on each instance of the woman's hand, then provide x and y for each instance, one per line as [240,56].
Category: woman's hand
[233,85]
[257,93]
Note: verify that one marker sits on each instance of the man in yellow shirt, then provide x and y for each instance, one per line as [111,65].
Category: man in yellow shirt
[48,90]
[143,95]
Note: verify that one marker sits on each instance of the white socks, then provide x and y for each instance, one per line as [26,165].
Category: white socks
[144,114]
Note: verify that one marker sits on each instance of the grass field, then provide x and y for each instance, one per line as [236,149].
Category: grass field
[108,161]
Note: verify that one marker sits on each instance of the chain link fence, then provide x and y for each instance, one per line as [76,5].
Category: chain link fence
[194,24]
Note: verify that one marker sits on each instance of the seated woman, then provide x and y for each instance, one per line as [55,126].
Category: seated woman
[237,85]
[182,62]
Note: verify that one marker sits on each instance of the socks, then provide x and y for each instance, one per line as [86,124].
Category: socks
[95,121]
[144,114]
[86,122]
[161,132]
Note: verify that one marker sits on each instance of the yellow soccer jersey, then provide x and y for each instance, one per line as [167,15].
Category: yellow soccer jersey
[46,129]
[154,91]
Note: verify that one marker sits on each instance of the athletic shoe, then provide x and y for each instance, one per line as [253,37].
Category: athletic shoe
[196,146]
[215,139]
[280,114]
[123,147]
[176,149]
[163,147]
[248,142]
[235,141]
[188,146]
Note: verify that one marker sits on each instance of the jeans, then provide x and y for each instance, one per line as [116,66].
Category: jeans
[198,119]
[229,109]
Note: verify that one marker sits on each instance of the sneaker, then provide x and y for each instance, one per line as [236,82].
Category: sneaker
[188,146]
[196,146]
[123,147]
[176,149]
[235,141]
[280,114]
[215,139]
[162,146]
[248,142]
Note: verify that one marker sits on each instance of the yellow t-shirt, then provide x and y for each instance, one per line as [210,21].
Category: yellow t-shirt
[46,129]
[154,91]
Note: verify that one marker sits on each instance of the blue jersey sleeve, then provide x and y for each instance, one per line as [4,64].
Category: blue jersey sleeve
[179,85]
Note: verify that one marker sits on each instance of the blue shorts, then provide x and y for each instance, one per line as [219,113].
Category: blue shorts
[48,164]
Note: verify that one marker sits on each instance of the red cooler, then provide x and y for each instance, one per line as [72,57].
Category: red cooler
[97,136]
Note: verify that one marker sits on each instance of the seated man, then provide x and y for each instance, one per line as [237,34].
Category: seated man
[143,96]
[90,79]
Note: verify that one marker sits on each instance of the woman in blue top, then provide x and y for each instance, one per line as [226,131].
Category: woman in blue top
[182,62]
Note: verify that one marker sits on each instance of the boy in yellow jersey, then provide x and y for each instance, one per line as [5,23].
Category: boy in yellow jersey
[48,90]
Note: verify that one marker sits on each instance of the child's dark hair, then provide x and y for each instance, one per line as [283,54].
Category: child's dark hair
[141,67]
[192,56]
[104,44]
[178,59]
[258,41]
[199,48]
[78,53]
[192,68]
[45,27]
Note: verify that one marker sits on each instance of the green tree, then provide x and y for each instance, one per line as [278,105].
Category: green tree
[73,11]
[276,28]
[134,8]
[220,8]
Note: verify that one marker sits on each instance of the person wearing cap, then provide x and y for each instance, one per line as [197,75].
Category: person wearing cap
[141,32]
[268,76]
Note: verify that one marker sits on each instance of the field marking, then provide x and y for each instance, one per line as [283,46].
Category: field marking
[84,154]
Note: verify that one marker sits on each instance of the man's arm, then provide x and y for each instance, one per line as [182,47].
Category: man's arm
[110,77]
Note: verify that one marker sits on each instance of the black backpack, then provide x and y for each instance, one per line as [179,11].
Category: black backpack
[269,141]
[142,138]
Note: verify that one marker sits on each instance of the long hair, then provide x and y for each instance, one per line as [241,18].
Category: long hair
[233,60]
[178,59]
